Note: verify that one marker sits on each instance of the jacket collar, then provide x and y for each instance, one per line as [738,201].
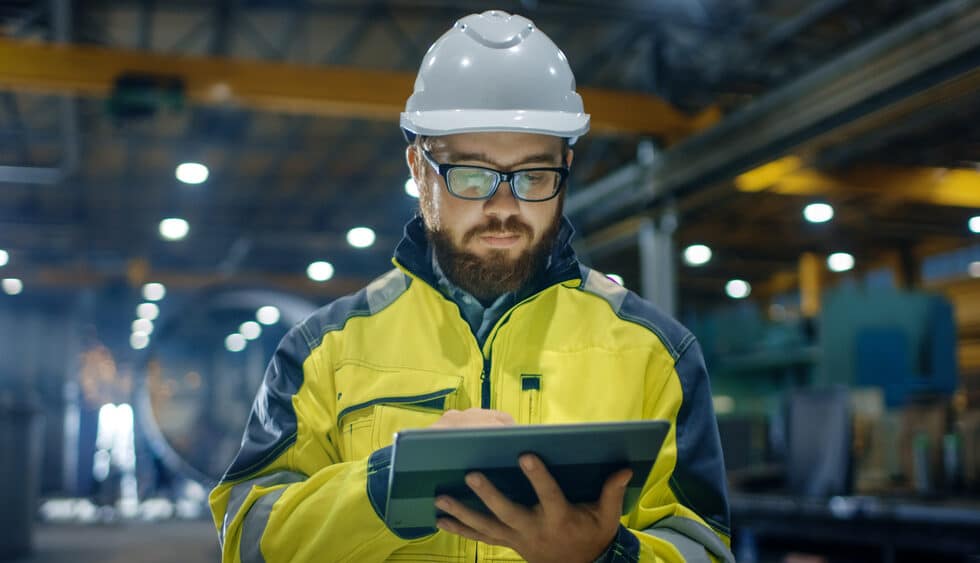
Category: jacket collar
[415,255]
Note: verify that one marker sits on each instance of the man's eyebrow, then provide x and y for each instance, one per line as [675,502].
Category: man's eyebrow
[541,158]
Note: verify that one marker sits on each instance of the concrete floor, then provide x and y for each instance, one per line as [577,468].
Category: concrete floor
[159,542]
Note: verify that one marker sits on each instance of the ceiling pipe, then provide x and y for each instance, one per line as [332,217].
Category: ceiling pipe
[924,52]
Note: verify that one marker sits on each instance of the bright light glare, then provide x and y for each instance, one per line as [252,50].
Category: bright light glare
[250,330]
[12,286]
[697,255]
[411,188]
[4,257]
[267,315]
[143,325]
[174,228]
[723,404]
[320,271]
[818,212]
[360,237]
[154,291]
[975,224]
[840,262]
[148,311]
[235,342]
[139,340]
[192,173]
[616,278]
[738,289]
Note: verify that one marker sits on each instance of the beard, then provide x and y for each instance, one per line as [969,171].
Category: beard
[490,276]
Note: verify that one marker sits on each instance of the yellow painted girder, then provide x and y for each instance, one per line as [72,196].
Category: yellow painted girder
[331,91]
[954,187]
[789,175]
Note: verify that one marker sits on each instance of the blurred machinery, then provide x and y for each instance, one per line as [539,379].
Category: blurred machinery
[843,430]
[903,342]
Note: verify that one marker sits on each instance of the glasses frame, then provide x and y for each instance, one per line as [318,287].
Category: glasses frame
[499,177]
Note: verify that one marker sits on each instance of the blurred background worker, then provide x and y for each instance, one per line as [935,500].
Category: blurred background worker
[797,183]
[488,319]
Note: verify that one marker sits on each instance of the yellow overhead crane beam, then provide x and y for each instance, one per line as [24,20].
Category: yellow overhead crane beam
[952,187]
[330,91]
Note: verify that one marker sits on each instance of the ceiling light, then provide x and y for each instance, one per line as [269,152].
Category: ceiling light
[267,315]
[250,330]
[4,257]
[148,311]
[154,291]
[143,325]
[174,228]
[192,173]
[12,286]
[697,255]
[139,340]
[738,289]
[360,237]
[818,212]
[840,262]
[235,342]
[723,404]
[411,188]
[974,224]
[320,271]
[616,278]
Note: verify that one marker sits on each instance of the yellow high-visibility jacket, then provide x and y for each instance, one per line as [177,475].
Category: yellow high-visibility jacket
[310,480]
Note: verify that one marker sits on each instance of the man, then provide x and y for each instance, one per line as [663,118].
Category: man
[488,319]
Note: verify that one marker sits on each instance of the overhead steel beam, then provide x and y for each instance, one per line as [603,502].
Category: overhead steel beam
[312,90]
[924,53]
[810,14]
[958,187]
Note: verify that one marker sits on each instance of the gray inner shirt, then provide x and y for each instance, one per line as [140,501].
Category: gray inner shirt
[481,319]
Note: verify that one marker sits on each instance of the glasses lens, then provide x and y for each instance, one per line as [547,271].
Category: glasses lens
[470,182]
[536,184]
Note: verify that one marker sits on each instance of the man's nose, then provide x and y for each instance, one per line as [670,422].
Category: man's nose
[503,203]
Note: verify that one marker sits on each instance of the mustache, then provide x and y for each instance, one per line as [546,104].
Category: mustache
[493,226]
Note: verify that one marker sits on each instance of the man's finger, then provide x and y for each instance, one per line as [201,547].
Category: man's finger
[510,513]
[613,492]
[505,418]
[481,523]
[550,495]
[456,527]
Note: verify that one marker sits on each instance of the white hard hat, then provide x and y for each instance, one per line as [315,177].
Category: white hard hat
[494,72]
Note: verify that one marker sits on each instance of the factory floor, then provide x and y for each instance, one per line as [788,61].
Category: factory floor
[158,542]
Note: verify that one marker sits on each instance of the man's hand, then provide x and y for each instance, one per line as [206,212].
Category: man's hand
[553,530]
[473,418]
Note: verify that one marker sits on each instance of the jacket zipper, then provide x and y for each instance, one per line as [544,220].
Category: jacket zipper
[485,383]
[488,348]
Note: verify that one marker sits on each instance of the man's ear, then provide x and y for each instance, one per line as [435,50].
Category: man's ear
[413,161]
[569,155]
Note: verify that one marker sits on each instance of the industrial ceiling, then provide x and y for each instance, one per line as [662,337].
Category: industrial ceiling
[725,117]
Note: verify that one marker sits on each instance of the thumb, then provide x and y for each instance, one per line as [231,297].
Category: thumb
[613,492]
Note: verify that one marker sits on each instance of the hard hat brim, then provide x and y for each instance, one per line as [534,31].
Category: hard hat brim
[449,122]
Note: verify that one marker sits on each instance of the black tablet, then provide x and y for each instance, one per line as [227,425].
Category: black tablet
[430,462]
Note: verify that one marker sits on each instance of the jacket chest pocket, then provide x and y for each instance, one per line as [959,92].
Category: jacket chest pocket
[375,402]
[569,387]
[530,403]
